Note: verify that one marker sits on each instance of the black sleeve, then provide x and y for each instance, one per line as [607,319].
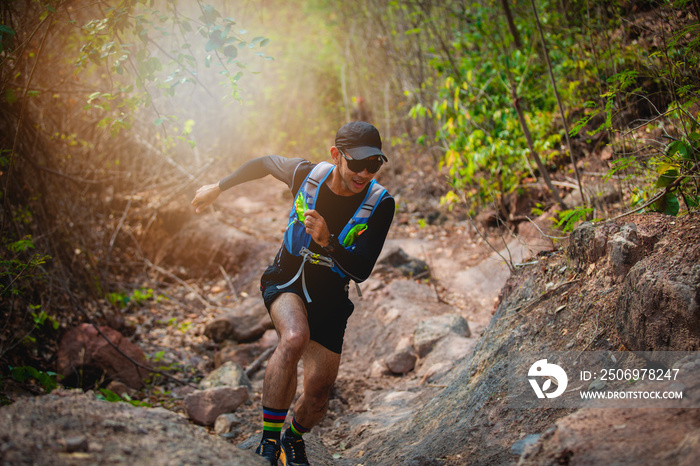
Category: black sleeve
[358,264]
[281,168]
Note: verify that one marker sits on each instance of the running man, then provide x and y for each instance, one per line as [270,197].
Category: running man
[337,226]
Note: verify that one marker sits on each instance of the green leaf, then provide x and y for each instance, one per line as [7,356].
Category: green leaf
[210,14]
[678,147]
[10,96]
[667,178]
[7,30]
[22,245]
[231,51]
[668,204]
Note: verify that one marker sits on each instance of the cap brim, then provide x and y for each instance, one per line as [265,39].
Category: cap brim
[363,152]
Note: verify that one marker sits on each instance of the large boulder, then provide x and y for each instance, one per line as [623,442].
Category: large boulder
[204,406]
[659,305]
[639,436]
[433,329]
[73,427]
[245,323]
[86,354]
[553,304]
[228,374]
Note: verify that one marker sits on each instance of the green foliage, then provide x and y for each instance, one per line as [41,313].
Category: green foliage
[109,395]
[568,219]
[19,267]
[7,35]
[152,53]
[676,173]
[25,373]
[40,318]
[486,153]
[137,297]
[600,81]
[183,326]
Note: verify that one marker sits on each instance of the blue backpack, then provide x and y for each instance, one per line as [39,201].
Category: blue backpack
[297,241]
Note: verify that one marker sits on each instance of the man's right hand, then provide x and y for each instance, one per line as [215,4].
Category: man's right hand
[205,196]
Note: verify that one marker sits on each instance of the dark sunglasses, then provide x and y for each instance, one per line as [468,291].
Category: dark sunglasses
[357,166]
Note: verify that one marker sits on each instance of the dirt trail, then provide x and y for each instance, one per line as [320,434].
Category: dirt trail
[466,277]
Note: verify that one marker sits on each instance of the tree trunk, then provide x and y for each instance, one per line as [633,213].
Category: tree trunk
[511,24]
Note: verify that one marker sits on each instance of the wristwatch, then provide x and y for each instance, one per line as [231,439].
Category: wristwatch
[332,244]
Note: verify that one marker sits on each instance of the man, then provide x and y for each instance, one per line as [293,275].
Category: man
[337,226]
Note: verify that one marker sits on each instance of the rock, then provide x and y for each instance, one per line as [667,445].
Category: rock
[659,304]
[204,406]
[378,369]
[84,356]
[444,355]
[639,436]
[521,445]
[228,374]
[120,388]
[408,266]
[431,330]
[269,338]
[203,245]
[624,250]
[401,361]
[75,443]
[70,427]
[242,354]
[226,423]
[587,244]
[246,323]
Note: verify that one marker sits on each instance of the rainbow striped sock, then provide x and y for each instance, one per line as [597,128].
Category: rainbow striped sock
[273,419]
[297,429]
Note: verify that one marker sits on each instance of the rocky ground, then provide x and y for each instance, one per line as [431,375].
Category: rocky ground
[445,400]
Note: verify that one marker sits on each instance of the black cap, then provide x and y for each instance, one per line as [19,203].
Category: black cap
[359,140]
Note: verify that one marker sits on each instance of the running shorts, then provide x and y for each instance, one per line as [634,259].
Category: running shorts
[328,311]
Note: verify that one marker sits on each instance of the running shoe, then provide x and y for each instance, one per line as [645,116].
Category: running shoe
[293,452]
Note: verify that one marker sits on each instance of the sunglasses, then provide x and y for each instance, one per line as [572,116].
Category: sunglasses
[357,166]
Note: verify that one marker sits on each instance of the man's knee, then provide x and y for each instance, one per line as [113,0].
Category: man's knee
[289,317]
[293,342]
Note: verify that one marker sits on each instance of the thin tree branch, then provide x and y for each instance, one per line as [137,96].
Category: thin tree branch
[559,104]
[19,126]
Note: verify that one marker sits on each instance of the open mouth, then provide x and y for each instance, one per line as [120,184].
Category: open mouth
[358,183]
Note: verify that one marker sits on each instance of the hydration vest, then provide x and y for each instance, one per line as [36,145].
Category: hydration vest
[297,240]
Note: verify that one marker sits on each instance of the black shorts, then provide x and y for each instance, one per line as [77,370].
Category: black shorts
[328,311]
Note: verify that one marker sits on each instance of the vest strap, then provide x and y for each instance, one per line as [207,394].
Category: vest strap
[312,258]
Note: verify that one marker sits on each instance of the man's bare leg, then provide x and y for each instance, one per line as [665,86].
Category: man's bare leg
[289,317]
[320,371]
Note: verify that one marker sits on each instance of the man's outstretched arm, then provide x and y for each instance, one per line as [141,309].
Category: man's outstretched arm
[280,167]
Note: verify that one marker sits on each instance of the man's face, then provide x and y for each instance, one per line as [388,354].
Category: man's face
[354,182]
